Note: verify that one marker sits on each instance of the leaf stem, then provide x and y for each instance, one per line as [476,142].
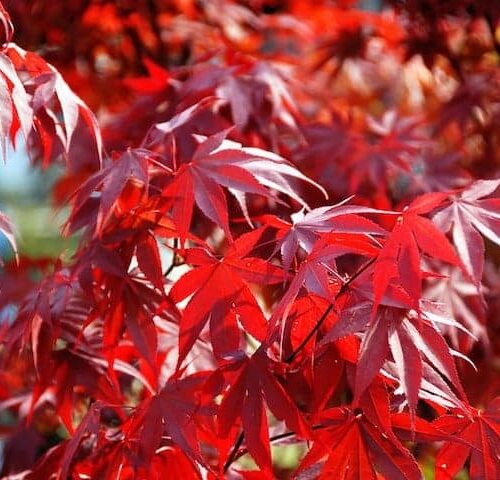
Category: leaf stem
[275,438]
[234,451]
[175,260]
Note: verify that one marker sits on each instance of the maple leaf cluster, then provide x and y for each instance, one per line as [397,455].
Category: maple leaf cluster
[288,216]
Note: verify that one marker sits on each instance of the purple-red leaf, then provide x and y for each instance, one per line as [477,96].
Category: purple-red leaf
[469,215]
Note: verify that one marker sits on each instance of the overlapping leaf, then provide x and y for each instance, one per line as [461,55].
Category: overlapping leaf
[171,412]
[251,382]
[307,227]
[412,340]
[110,181]
[40,101]
[361,312]
[222,298]
[219,162]
[399,261]
[468,216]
[128,302]
[318,274]
[358,444]
[480,441]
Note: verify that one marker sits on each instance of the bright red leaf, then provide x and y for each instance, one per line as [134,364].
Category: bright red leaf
[399,262]
[480,441]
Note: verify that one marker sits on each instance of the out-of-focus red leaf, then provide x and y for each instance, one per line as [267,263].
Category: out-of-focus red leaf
[7,231]
[7,25]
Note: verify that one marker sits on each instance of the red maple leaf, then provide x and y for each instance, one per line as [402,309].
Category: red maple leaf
[251,381]
[219,162]
[415,346]
[49,97]
[222,298]
[110,181]
[480,441]
[399,261]
[308,226]
[358,443]
[173,412]
[129,301]
[318,274]
[468,215]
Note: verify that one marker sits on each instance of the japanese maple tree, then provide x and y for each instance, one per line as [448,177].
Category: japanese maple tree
[288,224]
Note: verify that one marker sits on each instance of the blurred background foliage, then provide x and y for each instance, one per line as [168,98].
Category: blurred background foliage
[25,197]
